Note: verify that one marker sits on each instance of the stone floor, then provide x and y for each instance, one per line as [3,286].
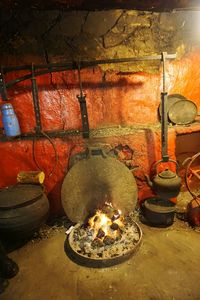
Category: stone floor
[167,266]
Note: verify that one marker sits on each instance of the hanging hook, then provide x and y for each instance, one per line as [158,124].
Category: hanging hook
[83,106]
[3,90]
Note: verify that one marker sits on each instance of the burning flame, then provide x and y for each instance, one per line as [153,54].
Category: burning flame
[103,223]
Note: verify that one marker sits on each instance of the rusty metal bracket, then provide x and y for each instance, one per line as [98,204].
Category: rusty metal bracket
[83,107]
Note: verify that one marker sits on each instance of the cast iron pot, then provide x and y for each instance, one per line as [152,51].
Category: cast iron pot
[23,209]
[158,212]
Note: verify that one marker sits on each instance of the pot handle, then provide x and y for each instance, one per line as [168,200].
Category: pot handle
[161,161]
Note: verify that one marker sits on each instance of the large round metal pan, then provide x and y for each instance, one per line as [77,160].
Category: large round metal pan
[182,112]
[171,99]
[98,263]
[93,181]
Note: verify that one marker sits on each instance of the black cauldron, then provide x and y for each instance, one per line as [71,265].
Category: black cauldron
[158,212]
[23,209]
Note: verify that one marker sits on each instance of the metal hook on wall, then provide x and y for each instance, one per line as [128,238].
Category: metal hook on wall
[83,107]
[3,90]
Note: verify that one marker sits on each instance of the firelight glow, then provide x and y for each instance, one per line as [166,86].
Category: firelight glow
[101,221]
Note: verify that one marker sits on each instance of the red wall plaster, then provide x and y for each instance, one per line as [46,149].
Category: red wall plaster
[112,99]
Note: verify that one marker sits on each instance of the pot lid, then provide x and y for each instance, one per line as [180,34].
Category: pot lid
[171,100]
[18,195]
[183,112]
[159,205]
[167,174]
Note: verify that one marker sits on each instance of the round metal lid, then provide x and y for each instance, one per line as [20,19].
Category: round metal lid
[91,182]
[159,205]
[18,195]
[182,112]
[171,100]
[167,174]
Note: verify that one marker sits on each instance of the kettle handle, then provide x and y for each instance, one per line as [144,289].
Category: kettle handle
[161,161]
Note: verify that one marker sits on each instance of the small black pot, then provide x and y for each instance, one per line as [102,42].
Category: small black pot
[158,212]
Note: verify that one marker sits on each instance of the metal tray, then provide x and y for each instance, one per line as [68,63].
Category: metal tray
[182,112]
[98,263]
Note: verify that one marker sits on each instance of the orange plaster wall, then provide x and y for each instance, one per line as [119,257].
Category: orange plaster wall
[113,99]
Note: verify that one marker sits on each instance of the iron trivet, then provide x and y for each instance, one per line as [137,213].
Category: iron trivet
[103,250]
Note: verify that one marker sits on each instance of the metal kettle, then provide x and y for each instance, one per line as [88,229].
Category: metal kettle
[166,183]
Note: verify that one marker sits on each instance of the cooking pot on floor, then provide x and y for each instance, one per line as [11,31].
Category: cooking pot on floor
[158,212]
[23,209]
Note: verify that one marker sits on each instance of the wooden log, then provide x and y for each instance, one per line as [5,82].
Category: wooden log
[31,177]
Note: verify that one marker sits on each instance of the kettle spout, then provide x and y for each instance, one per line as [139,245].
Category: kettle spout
[149,182]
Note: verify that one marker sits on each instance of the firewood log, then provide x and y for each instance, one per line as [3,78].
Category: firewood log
[31,177]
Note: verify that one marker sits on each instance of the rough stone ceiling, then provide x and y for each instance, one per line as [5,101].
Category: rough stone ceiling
[153,5]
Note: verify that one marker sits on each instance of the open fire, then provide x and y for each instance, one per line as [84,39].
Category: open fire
[106,236]
[106,224]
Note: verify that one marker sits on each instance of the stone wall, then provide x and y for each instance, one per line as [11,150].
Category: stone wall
[54,36]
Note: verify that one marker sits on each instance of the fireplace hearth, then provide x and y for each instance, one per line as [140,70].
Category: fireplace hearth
[99,194]
[111,243]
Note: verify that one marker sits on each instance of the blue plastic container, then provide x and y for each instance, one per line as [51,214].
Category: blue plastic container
[10,121]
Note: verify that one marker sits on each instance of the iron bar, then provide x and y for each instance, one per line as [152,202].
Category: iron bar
[36,102]
[3,90]
[164,119]
[29,76]
[50,68]
[84,64]
[58,67]
[32,136]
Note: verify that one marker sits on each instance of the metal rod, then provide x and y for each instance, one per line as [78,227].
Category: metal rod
[3,90]
[50,68]
[32,136]
[29,76]
[163,75]
[164,120]
[83,63]
[36,102]
[80,82]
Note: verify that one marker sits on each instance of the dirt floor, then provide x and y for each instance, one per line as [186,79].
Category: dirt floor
[166,266]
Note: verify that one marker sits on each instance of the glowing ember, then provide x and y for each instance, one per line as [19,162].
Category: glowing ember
[106,223]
